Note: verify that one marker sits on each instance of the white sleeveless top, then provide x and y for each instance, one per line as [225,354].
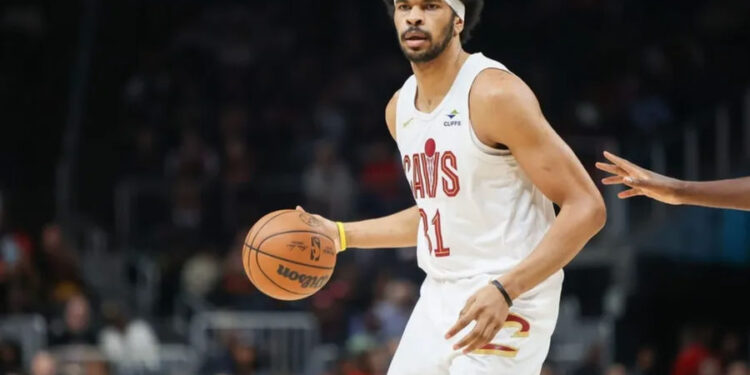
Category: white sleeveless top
[480,214]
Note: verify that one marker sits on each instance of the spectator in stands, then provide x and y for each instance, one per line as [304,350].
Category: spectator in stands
[238,166]
[193,159]
[188,208]
[592,364]
[364,338]
[380,179]
[330,304]
[730,348]
[380,359]
[19,279]
[547,369]
[358,364]
[645,361]
[328,185]
[616,369]
[233,121]
[76,326]
[693,353]
[145,160]
[394,309]
[362,364]
[329,117]
[59,264]
[238,191]
[738,368]
[81,360]
[710,366]
[131,344]
[234,289]
[10,358]
[200,274]
[240,358]
[43,363]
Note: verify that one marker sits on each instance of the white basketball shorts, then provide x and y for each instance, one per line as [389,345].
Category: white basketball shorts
[520,347]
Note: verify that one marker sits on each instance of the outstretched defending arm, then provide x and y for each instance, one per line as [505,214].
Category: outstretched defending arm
[734,193]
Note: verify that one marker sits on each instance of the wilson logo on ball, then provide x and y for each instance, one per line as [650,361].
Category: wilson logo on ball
[306,281]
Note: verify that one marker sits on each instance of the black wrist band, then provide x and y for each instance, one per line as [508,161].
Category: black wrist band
[502,290]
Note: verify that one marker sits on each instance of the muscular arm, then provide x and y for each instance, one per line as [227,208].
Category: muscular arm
[505,111]
[733,193]
[396,230]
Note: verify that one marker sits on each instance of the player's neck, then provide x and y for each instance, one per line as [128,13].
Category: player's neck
[435,77]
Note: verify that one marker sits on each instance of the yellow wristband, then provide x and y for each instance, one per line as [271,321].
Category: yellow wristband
[342,235]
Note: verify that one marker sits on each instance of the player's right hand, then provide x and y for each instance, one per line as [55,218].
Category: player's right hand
[329,227]
[489,310]
[640,180]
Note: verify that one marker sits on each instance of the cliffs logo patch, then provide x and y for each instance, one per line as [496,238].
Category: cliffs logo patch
[452,121]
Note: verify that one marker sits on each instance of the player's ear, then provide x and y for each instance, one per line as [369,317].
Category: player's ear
[458,25]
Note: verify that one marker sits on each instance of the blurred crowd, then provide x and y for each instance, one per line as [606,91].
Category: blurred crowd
[225,111]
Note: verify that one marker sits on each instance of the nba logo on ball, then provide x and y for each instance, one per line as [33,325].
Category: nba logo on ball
[315,249]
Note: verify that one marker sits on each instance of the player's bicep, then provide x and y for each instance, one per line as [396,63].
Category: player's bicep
[550,163]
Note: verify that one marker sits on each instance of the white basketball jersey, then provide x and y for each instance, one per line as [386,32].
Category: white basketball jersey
[480,214]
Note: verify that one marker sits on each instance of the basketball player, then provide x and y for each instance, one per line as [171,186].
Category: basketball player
[484,167]
[733,193]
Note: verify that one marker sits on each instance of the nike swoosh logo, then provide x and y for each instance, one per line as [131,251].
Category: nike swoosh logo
[407,123]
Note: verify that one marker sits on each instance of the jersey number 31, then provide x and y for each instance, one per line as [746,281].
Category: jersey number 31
[440,251]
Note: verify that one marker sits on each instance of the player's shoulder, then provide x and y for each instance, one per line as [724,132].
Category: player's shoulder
[393,101]
[390,114]
[500,89]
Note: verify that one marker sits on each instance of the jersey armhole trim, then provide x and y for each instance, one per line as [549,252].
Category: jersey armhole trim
[400,104]
[481,146]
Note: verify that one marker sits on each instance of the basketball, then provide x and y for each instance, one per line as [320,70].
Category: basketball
[288,256]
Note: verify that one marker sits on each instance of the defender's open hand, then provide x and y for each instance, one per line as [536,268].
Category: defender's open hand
[488,308]
[640,180]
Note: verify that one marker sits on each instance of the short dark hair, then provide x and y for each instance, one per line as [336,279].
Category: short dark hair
[473,13]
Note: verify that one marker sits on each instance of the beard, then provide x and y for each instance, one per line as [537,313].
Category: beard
[433,51]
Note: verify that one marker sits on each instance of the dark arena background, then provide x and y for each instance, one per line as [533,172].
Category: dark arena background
[139,140]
